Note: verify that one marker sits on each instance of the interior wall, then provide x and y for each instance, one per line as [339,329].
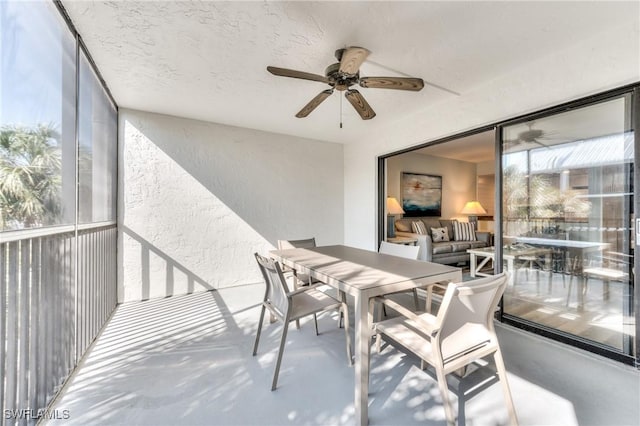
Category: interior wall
[197,199]
[608,60]
[486,168]
[458,179]
[485,193]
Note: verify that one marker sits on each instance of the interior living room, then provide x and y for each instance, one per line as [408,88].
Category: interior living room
[565,239]
[465,169]
[156,157]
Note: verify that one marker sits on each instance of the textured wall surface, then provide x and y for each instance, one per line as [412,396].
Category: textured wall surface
[605,61]
[197,199]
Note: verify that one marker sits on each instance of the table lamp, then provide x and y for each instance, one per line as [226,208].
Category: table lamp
[473,209]
[393,209]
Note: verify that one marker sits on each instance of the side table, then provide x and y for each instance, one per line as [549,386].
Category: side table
[403,240]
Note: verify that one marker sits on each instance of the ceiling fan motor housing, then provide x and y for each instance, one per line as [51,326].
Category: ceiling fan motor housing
[339,80]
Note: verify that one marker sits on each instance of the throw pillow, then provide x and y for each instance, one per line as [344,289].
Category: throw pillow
[439,235]
[463,231]
[403,226]
[418,227]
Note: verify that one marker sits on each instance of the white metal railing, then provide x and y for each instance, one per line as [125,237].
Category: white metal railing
[50,309]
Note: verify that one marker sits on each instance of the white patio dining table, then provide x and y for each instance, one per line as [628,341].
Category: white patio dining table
[364,274]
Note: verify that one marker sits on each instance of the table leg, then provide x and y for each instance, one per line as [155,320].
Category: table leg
[548,267]
[363,336]
[512,271]
[472,264]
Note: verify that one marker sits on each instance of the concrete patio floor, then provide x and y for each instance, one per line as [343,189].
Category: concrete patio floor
[186,360]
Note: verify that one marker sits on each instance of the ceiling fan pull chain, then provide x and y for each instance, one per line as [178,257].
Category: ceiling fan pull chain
[340,111]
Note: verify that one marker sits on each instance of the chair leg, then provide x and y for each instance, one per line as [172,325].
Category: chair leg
[283,340]
[502,375]
[315,321]
[415,299]
[296,286]
[444,390]
[255,345]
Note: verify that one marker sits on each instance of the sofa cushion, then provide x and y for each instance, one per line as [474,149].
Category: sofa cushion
[432,223]
[439,248]
[464,231]
[418,227]
[460,246]
[477,244]
[439,235]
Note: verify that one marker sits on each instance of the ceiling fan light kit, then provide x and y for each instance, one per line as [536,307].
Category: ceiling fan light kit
[344,74]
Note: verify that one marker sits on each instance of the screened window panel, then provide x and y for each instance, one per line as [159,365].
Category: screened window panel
[97,149]
[37,117]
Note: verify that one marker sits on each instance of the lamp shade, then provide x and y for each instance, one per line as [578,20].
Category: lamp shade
[473,208]
[393,206]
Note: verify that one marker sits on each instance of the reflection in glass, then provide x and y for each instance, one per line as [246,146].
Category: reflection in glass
[567,222]
[97,149]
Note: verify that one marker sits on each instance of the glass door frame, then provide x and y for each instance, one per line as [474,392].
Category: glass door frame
[634,91]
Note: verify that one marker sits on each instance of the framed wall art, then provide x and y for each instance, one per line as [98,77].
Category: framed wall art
[421,195]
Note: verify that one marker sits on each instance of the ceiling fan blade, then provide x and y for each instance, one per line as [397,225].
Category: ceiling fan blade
[429,83]
[352,58]
[536,141]
[308,108]
[284,72]
[360,104]
[398,83]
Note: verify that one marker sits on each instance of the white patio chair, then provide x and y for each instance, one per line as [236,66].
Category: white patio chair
[303,279]
[288,306]
[461,333]
[402,250]
[299,279]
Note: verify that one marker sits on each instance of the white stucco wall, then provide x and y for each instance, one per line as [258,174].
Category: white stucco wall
[605,61]
[197,199]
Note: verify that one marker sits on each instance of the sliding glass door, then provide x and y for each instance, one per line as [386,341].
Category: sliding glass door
[568,223]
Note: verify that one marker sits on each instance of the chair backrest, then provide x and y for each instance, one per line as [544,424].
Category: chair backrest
[290,244]
[465,317]
[277,288]
[400,250]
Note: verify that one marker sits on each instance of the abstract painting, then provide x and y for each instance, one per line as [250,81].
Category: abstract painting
[421,195]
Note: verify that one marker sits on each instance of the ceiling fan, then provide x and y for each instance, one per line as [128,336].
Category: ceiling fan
[344,74]
[530,136]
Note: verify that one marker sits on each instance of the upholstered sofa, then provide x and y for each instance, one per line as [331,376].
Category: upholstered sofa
[447,252]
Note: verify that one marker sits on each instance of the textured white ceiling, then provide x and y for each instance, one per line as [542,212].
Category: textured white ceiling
[207,60]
